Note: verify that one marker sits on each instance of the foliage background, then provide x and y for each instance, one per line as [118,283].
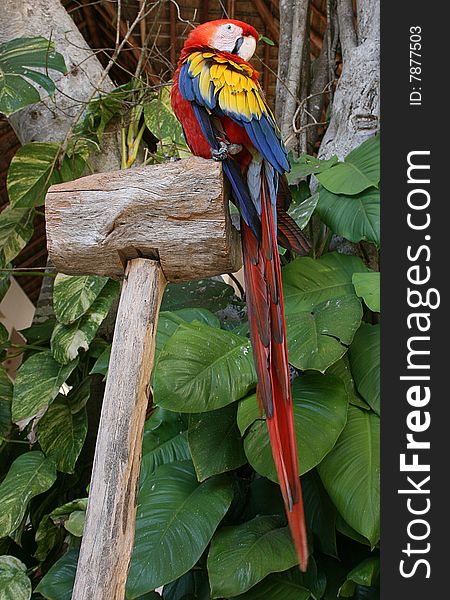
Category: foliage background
[210,521]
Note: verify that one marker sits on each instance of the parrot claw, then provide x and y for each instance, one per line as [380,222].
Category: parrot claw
[225,150]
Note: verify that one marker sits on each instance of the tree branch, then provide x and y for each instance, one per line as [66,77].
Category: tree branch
[347,31]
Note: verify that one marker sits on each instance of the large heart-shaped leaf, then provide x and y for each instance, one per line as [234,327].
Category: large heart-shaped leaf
[67,340]
[38,382]
[320,513]
[16,229]
[16,59]
[320,413]
[57,583]
[289,585]
[367,287]
[364,356]
[29,475]
[204,293]
[14,581]
[360,170]
[174,511]
[355,218]
[322,309]
[242,555]
[74,295]
[203,368]
[33,170]
[341,369]
[354,464]
[168,322]
[214,442]
[164,441]
[193,584]
[61,434]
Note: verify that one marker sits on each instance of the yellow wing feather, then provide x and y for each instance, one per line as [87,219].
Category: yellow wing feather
[237,92]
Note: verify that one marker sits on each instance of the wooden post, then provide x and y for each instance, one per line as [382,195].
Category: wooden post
[111,514]
[152,224]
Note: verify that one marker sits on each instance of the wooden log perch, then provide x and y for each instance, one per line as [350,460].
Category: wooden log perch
[148,225]
[175,213]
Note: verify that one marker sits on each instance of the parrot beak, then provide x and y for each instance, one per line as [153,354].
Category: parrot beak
[245,47]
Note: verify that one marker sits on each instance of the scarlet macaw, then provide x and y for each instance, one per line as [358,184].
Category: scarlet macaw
[218,100]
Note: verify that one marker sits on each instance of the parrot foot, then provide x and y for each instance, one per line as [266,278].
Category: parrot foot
[224,151]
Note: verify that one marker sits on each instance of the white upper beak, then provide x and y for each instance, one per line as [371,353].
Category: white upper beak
[248,47]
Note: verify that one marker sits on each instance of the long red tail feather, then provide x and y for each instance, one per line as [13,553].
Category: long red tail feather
[262,271]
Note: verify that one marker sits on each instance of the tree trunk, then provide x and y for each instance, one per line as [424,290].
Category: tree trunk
[50,119]
[356,105]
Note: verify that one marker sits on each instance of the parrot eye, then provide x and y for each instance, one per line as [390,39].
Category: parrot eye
[229,26]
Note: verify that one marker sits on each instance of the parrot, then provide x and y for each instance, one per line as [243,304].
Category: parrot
[217,98]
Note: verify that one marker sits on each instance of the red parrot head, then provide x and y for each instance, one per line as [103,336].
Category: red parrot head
[225,35]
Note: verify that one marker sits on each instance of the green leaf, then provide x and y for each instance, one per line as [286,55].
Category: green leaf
[16,229]
[33,171]
[49,532]
[67,340]
[102,363]
[193,585]
[38,382]
[364,356]
[75,523]
[289,585]
[354,464]
[366,573]
[367,287]
[164,441]
[203,368]
[174,511]
[39,333]
[57,583]
[308,165]
[266,40]
[278,585]
[16,59]
[6,394]
[14,581]
[320,513]
[242,555]
[74,295]
[322,309]
[161,120]
[204,293]
[214,442]
[168,322]
[29,475]
[360,170]
[348,531]
[320,413]
[341,369]
[61,434]
[303,211]
[355,218]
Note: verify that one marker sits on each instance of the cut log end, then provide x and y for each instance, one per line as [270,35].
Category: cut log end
[176,213]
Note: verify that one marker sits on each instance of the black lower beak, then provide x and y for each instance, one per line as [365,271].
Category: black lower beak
[238,45]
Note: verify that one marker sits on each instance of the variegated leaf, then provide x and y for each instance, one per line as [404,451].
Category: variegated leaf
[74,295]
[29,475]
[67,340]
[14,581]
[38,382]
[61,434]
[16,229]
